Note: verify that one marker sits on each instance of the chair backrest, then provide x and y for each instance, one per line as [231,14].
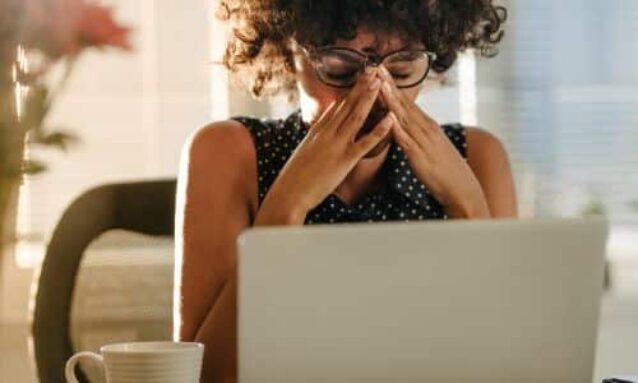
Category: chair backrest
[143,207]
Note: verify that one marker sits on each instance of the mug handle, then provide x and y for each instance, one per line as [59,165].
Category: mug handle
[69,370]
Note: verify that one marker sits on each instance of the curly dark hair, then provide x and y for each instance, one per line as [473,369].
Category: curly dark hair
[260,48]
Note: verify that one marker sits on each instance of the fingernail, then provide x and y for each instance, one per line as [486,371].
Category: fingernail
[375,84]
[369,74]
[387,122]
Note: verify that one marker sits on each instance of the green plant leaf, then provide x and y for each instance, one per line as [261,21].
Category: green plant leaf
[60,139]
[32,167]
[594,207]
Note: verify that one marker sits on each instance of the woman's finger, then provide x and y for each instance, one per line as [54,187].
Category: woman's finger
[413,112]
[391,97]
[403,117]
[410,147]
[417,124]
[360,111]
[370,140]
[331,121]
[327,115]
[363,86]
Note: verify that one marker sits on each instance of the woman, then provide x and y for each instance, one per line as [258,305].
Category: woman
[358,150]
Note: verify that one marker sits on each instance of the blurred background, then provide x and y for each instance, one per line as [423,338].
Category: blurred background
[562,95]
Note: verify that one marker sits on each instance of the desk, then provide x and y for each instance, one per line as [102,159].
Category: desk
[617,352]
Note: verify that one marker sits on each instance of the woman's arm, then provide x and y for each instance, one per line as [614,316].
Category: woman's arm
[217,200]
[216,186]
[488,159]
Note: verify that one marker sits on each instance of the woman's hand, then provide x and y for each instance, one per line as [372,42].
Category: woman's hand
[325,156]
[433,157]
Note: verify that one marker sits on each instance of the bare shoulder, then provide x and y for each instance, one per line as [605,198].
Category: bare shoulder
[221,155]
[220,139]
[482,144]
[489,161]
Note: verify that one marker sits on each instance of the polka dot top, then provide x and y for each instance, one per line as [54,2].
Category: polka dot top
[401,196]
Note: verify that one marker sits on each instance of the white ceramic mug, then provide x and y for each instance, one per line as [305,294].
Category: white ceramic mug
[145,362]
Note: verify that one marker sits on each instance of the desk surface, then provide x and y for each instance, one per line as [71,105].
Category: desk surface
[617,352]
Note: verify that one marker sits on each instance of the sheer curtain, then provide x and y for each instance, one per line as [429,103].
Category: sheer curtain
[562,94]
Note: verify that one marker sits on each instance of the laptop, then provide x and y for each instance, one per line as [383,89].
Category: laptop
[497,301]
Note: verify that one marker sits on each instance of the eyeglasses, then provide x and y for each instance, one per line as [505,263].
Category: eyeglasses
[341,67]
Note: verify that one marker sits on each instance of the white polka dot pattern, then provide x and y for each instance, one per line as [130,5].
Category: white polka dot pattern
[401,197]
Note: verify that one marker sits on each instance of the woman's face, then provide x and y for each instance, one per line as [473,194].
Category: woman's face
[316,97]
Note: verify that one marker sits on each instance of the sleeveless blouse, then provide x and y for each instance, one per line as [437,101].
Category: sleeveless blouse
[401,196]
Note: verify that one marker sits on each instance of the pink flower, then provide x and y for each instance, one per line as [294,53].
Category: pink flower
[65,27]
[97,28]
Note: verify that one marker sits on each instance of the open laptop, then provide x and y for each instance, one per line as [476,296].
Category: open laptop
[498,301]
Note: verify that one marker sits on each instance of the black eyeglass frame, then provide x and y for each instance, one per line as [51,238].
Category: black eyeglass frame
[369,59]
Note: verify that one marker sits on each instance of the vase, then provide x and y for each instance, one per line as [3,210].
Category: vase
[8,216]
[12,143]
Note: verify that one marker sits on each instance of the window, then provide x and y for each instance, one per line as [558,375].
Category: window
[562,95]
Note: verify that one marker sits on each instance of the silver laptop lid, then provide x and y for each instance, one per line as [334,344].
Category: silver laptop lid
[476,301]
